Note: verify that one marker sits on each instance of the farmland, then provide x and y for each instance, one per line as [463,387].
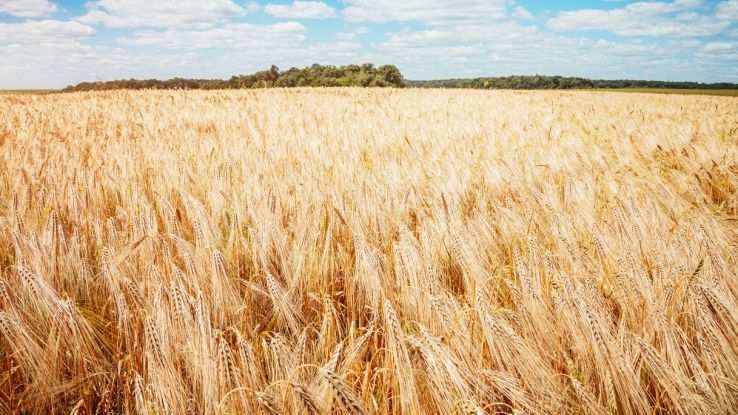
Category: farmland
[367,251]
[716,92]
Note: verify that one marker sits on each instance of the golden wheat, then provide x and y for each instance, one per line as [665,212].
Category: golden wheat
[317,251]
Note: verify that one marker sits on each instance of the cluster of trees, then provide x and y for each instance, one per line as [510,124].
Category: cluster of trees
[560,82]
[365,75]
[368,75]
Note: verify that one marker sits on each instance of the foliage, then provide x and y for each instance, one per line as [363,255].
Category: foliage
[560,82]
[365,75]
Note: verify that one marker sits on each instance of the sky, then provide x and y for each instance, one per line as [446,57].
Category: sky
[52,44]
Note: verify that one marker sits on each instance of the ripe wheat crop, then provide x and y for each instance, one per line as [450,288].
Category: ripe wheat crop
[354,251]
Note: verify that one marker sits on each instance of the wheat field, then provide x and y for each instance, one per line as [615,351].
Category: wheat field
[356,251]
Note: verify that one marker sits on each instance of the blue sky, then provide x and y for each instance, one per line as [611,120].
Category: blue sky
[50,44]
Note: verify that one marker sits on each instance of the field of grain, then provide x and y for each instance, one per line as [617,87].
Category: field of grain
[365,251]
[717,92]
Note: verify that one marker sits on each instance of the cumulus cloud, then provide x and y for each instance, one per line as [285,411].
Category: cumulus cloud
[330,52]
[148,13]
[727,10]
[301,10]
[721,55]
[348,36]
[425,11]
[13,47]
[720,47]
[27,8]
[451,38]
[508,47]
[57,64]
[43,53]
[522,13]
[43,31]
[644,19]
[229,36]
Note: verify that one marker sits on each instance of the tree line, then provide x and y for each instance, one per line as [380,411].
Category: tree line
[561,82]
[368,75]
[365,75]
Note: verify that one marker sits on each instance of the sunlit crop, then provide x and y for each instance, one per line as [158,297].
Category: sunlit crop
[362,251]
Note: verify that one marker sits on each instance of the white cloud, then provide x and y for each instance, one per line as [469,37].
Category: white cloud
[348,36]
[229,36]
[43,53]
[507,48]
[434,12]
[341,52]
[43,31]
[301,10]
[53,54]
[456,38]
[27,8]
[720,54]
[688,16]
[643,19]
[727,10]
[13,47]
[720,47]
[345,36]
[522,13]
[57,64]
[165,13]
[408,38]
